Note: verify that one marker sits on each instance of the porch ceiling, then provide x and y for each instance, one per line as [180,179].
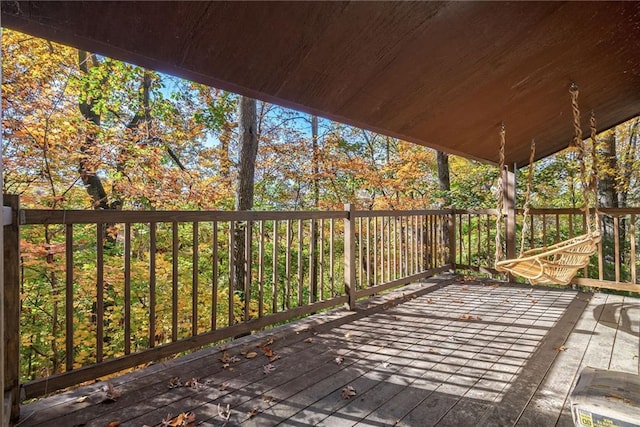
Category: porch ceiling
[435,73]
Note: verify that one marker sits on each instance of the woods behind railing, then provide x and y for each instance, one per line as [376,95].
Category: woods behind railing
[104,291]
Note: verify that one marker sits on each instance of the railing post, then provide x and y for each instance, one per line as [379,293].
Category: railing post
[11,276]
[451,225]
[510,207]
[350,255]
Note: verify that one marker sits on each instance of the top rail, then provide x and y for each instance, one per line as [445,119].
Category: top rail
[45,216]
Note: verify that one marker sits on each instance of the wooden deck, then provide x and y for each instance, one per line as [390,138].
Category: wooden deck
[444,352]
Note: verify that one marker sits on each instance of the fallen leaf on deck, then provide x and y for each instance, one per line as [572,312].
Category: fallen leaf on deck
[534,301]
[224,413]
[348,392]
[478,318]
[560,348]
[385,364]
[175,382]
[223,386]
[253,412]
[244,350]
[267,399]
[81,399]
[466,316]
[184,419]
[193,383]
[429,301]
[339,360]
[465,288]
[251,355]
[432,351]
[114,423]
[347,335]
[458,301]
[309,340]
[267,351]
[111,393]
[267,369]
[274,358]
[225,357]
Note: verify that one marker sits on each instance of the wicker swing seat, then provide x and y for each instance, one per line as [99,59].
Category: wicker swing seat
[555,264]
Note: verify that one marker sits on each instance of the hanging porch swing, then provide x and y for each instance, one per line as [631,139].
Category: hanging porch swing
[558,263]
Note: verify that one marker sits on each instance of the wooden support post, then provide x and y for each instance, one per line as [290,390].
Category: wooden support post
[350,255]
[510,207]
[11,307]
[451,224]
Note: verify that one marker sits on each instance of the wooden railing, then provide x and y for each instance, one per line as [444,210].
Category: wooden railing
[613,267]
[105,291]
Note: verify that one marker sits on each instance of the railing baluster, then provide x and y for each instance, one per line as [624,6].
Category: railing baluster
[99,292]
[214,273]
[368,244]
[375,250]
[127,288]
[360,283]
[395,247]
[616,246]
[261,270]
[321,261]
[274,266]
[232,273]
[248,241]
[313,261]
[152,284]
[287,295]
[194,281]
[174,280]
[388,245]
[332,233]
[69,296]
[632,239]
[300,261]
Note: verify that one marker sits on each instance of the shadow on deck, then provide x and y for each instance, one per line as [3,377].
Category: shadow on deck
[442,352]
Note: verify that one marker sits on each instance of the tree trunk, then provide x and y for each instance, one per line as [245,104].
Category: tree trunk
[91,181]
[248,138]
[444,185]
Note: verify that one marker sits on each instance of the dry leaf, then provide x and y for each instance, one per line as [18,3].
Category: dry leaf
[458,301]
[348,392]
[114,423]
[267,369]
[429,301]
[175,382]
[81,399]
[224,413]
[309,340]
[253,412]
[223,386]
[339,360]
[274,358]
[193,383]
[465,288]
[534,301]
[111,393]
[251,355]
[347,335]
[267,351]
[225,357]
[478,318]
[244,350]
[432,351]
[560,348]
[267,399]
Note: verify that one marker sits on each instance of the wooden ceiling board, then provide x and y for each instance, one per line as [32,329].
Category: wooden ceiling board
[441,74]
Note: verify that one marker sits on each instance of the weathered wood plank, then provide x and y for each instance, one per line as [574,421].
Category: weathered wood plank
[521,390]
[546,406]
